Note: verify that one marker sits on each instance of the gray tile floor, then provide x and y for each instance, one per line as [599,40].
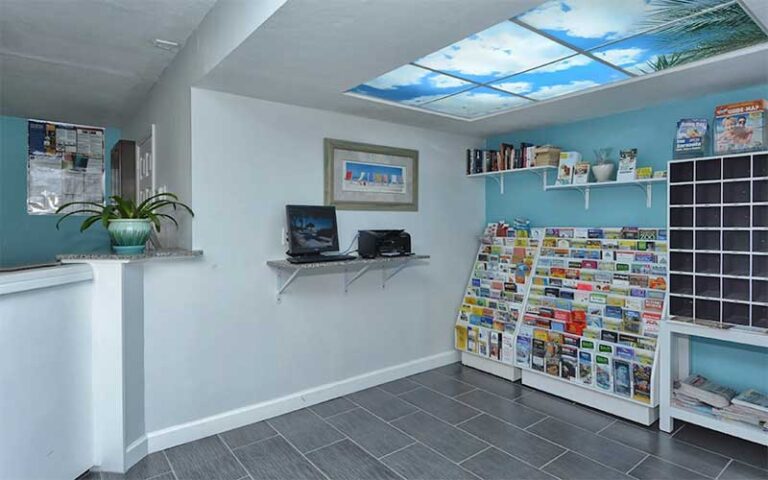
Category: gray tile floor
[453,423]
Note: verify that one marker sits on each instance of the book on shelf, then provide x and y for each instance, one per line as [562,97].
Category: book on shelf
[627,165]
[691,138]
[740,127]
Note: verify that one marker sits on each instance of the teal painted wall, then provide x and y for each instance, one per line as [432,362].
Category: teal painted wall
[29,239]
[651,131]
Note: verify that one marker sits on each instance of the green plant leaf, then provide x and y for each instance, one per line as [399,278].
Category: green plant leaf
[88,222]
[155,197]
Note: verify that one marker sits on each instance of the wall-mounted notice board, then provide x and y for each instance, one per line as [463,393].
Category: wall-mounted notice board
[65,163]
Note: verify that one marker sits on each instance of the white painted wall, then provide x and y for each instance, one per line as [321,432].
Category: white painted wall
[45,376]
[168,105]
[216,340]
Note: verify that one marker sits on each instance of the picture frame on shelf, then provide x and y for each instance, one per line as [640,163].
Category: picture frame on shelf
[362,176]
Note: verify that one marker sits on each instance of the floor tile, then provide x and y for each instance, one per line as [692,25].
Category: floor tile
[275,458]
[305,430]
[512,440]
[247,434]
[204,459]
[382,404]
[450,369]
[333,407]
[165,476]
[566,411]
[399,386]
[439,405]
[736,448]
[493,464]
[599,449]
[439,382]
[152,465]
[418,462]
[573,466]
[346,461]
[376,437]
[446,439]
[666,447]
[740,471]
[653,468]
[502,408]
[490,383]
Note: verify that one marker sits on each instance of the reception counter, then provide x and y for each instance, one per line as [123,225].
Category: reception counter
[72,365]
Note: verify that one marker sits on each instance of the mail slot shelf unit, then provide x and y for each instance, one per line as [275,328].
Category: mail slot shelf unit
[718,238]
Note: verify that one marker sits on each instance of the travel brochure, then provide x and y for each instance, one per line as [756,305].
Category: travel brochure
[595,302]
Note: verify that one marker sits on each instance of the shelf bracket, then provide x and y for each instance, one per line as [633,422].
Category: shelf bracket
[585,192]
[500,180]
[648,190]
[387,277]
[543,175]
[282,286]
[358,274]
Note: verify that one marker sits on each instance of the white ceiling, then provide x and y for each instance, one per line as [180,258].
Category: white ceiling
[309,52]
[87,61]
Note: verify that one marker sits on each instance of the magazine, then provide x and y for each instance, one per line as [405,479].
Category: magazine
[461,337]
[507,347]
[472,339]
[581,173]
[482,342]
[603,373]
[495,345]
[690,137]
[740,127]
[627,165]
[538,350]
[698,387]
[622,378]
[565,169]
[641,382]
[585,368]
[523,353]
[752,399]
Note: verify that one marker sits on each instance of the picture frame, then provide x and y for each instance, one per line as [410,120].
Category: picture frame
[362,176]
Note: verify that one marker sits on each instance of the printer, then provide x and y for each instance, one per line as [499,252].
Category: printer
[383,243]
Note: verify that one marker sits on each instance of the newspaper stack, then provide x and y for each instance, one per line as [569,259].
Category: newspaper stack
[699,388]
[750,406]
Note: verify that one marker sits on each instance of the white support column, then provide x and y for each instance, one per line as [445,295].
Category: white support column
[118,364]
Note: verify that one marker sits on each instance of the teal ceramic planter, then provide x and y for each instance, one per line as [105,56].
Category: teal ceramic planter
[129,235]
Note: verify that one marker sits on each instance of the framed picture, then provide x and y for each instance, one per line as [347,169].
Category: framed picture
[360,176]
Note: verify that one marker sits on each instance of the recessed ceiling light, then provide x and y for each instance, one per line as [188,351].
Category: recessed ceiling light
[165,44]
[561,47]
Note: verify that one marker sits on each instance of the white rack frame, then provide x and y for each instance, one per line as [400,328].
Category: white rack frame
[498,175]
[644,184]
[674,349]
[675,336]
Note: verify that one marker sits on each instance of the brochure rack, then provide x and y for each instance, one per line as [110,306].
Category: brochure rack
[592,310]
[493,302]
[592,318]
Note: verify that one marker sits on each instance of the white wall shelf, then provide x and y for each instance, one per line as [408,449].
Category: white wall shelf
[674,347]
[352,269]
[643,184]
[498,176]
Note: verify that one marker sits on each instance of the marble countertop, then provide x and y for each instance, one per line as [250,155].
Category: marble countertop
[158,254]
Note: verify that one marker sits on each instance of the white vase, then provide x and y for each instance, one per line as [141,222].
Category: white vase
[602,172]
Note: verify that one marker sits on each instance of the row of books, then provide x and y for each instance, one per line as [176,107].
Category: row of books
[619,369]
[607,244]
[506,158]
[698,393]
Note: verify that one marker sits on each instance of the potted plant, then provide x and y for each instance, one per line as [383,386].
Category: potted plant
[603,169]
[129,225]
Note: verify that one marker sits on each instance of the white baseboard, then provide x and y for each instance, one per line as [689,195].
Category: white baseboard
[197,429]
[135,452]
